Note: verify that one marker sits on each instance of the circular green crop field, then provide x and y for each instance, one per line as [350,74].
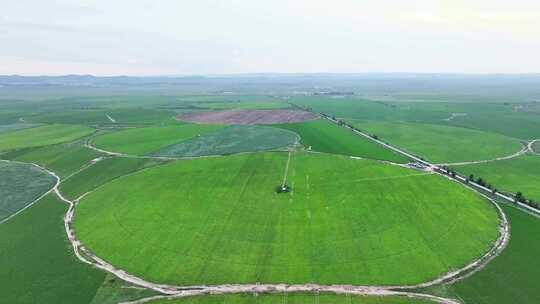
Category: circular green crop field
[345,221]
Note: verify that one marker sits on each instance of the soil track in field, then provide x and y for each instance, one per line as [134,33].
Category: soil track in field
[248,117]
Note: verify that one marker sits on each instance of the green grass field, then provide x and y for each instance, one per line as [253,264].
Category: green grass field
[232,139]
[42,136]
[20,185]
[443,144]
[243,105]
[37,263]
[99,116]
[63,159]
[292,298]
[218,220]
[101,173]
[324,136]
[511,277]
[521,174]
[140,141]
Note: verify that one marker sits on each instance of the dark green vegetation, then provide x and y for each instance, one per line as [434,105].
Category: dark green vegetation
[37,263]
[511,277]
[230,140]
[101,173]
[104,117]
[219,220]
[140,141]
[521,174]
[292,298]
[42,136]
[63,159]
[20,185]
[324,136]
[443,144]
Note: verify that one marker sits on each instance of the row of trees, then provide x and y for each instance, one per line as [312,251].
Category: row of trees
[518,197]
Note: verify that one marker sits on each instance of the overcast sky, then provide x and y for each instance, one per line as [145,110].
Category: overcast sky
[157,37]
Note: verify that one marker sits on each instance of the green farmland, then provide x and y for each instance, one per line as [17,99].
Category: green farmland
[29,244]
[20,185]
[521,174]
[324,136]
[292,298]
[443,144]
[42,136]
[63,159]
[140,141]
[231,140]
[216,219]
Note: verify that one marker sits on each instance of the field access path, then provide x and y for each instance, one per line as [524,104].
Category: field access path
[175,291]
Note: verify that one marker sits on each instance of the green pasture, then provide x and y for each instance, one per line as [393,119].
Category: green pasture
[243,105]
[140,141]
[521,174]
[230,140]
[324,136]
[38,265]
[42,136]
[511,277]
[99,116]
[63,159]
[20,185]
[219,220]
[443,144]
[101,173]
[292,298]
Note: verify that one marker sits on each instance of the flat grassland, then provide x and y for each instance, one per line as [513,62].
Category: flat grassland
[324,136]
[521,174]
[512,276]
[20,185]
[219,220]
[63,159]
[292,298]
[140,141]
[232,139]
[37,263]
[42,136]
[244,105]
[101,173]
[443,144]
[102,116]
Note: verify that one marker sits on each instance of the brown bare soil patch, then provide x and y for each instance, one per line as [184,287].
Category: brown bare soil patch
[248,117]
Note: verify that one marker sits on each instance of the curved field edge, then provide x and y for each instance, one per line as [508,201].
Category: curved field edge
[511,277]
[94,239]
[292,298]
[42,136]
[323,136]
[443,144]
[21,185]
[141,141]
